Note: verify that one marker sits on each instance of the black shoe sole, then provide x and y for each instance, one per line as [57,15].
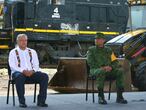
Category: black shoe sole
[42,105]
[23,106]
[120,102]
[103,103]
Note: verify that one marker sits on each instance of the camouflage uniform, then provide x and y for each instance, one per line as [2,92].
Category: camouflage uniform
[98,57]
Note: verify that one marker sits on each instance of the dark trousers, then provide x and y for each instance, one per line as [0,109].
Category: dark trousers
[38,77]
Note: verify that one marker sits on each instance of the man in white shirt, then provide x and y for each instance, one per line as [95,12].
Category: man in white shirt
[24,65]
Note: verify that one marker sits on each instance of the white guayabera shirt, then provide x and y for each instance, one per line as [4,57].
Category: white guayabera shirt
[25,63]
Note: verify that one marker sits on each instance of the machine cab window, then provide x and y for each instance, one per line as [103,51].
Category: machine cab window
[57,2]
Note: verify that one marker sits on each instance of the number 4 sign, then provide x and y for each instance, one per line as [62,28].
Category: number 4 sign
[56,13]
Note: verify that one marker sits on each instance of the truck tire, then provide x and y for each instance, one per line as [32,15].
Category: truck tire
[140,76]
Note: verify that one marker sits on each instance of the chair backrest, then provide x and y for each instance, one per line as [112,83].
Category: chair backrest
[8,66]
[9,70]
[87,68]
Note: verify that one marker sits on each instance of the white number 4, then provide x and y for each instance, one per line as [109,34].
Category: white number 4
[56,10]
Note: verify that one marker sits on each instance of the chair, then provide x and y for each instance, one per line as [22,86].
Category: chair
[11,81]
[93,78]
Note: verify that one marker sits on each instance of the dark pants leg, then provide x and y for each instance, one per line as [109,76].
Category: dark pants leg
[37,77]
[20,81]
[42,79]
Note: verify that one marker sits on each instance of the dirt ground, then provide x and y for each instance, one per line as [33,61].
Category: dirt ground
[29,88]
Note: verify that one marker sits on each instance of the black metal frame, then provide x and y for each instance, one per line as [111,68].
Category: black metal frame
[11,81]
[93,78]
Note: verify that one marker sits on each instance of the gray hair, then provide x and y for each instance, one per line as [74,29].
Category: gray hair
[20,36]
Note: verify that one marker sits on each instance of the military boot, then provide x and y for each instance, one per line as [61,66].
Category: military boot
[120,98]
[101,99]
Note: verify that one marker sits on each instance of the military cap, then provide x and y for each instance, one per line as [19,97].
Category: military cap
[99,35]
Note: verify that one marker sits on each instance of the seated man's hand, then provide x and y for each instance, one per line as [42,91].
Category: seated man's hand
[25,72]
[107,68]
[31,72]
[28,73]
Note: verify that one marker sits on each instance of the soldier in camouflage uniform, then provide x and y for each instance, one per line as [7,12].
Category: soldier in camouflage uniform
[99,60]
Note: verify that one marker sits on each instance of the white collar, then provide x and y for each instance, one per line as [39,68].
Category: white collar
[21,49]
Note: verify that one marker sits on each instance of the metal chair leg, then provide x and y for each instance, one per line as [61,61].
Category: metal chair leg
[93,90]
[34,100]
[8,91]
[87,89]
[13,94]
[109,95]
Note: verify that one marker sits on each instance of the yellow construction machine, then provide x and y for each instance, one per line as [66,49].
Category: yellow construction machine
[132,45]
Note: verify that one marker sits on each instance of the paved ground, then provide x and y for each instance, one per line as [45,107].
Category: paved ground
[137,101]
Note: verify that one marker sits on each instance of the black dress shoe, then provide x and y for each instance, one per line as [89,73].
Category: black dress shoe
[42,105]
[121,101]
[23,105]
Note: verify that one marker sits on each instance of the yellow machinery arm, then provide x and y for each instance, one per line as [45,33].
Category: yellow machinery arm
[137,1]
